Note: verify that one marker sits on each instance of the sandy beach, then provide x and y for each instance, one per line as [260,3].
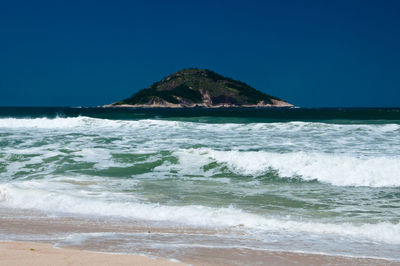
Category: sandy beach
[29,253]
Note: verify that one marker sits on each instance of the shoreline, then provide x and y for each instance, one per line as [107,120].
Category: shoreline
[28,229]
[178,106]
[35,253]
[274,104]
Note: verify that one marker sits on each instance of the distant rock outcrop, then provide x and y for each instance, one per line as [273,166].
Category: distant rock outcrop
[200,88]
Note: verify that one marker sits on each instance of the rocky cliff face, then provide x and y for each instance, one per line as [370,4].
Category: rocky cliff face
[200,87]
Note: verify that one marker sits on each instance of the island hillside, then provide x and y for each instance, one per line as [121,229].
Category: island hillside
[200,88]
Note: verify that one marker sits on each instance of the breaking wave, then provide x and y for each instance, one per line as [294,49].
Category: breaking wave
[194,215]
[339,170]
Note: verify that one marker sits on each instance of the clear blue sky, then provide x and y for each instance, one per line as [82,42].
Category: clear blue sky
[310,53]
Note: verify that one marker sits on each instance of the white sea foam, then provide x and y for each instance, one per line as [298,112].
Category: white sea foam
[16,196]
[343,155]
[69,165]
[339,170]
[100,157]
[296,135]
[82,121]
[40,123]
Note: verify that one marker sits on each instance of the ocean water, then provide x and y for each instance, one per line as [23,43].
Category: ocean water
[304,180]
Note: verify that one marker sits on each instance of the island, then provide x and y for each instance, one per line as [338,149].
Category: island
[200,88]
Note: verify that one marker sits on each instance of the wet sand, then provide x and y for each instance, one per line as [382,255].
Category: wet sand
[30,253]
[251,257]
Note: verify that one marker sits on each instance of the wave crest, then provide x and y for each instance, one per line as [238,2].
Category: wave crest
[339,170]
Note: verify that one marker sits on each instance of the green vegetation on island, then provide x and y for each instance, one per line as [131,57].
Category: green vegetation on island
[200,87]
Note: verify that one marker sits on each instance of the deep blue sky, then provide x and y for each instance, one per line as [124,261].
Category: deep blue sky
[310,53]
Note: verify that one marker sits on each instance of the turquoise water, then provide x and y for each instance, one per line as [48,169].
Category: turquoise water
[327,180]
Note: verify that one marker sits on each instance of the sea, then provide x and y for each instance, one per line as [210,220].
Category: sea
[168,182]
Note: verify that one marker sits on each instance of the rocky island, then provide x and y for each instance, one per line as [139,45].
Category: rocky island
[200,88]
